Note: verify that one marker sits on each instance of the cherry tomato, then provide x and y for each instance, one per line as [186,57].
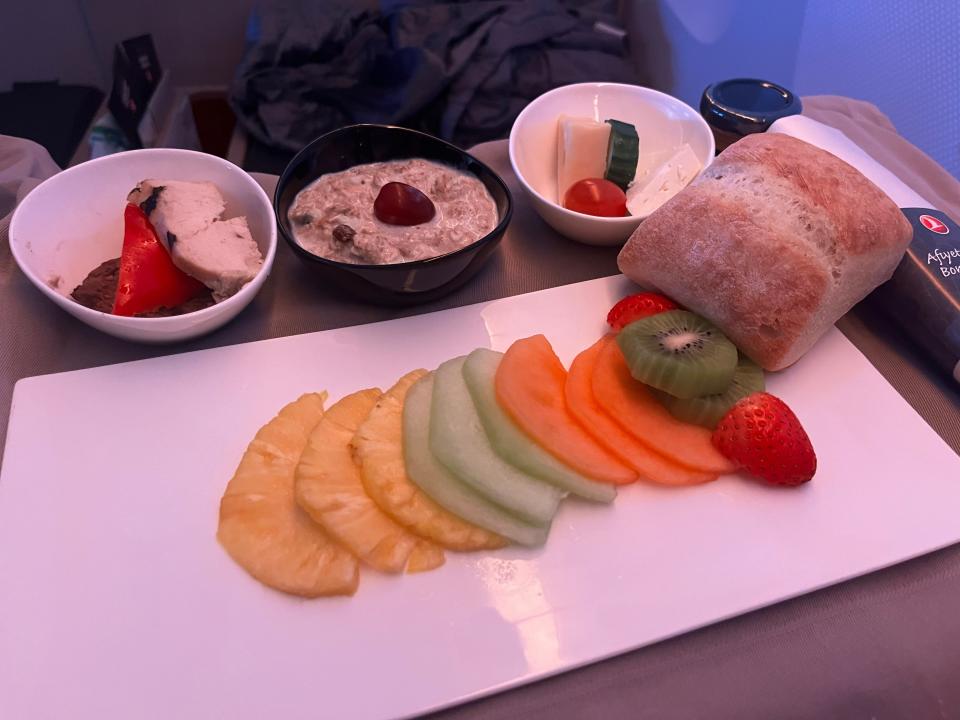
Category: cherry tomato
[596,196]
[400,204]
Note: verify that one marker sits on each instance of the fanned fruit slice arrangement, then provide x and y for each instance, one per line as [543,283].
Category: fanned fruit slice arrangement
[480,452]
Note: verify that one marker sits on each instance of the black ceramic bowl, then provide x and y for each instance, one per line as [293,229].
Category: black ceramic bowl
[401,283]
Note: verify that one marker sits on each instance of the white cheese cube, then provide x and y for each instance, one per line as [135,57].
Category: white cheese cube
[674,175]
[581,151]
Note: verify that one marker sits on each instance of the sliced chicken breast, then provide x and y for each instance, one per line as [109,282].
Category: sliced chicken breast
[178,208]
[219,253]
[223,256]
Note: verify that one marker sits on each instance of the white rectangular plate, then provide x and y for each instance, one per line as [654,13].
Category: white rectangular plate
[116,601]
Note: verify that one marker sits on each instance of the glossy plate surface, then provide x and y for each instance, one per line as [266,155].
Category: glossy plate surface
[116,601]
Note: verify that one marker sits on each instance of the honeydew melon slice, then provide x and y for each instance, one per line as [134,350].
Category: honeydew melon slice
[445,488]
[511,443]
[459,442]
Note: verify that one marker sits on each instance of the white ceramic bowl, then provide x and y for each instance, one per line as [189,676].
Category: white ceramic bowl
[73,221]
[663,124]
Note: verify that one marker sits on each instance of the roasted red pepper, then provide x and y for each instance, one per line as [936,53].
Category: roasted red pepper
[148,278]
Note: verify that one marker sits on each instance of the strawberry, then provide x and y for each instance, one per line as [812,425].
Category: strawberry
[763,436]
[640,305]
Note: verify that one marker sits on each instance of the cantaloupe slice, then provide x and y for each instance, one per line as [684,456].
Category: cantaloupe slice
[605,430]
[514,445]
[635,408]
[530,388]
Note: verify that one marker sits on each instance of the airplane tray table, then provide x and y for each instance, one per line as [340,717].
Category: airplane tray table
[883,645]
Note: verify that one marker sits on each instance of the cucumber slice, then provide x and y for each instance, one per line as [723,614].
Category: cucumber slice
[510,442]
[443,487]
[458,441]
[623,152]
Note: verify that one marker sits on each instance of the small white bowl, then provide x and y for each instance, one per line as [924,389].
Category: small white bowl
[73,221]
[663,124]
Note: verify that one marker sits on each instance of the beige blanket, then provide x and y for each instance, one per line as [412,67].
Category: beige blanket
[869,128]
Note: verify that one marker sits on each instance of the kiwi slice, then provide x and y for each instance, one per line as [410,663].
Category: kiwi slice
[708,410]
[680,353]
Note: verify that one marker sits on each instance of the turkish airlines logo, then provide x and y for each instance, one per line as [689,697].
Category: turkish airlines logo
[933,225]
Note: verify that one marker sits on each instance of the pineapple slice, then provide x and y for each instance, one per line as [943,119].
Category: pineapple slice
[329,488]
[262,528]
[425,556]
[378,447]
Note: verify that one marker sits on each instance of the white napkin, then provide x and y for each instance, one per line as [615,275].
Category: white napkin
[835,142]
[23,165]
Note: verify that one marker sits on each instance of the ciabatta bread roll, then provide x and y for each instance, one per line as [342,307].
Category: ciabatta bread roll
[773,243]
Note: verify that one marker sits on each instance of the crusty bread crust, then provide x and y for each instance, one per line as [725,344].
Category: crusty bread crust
[773,243]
